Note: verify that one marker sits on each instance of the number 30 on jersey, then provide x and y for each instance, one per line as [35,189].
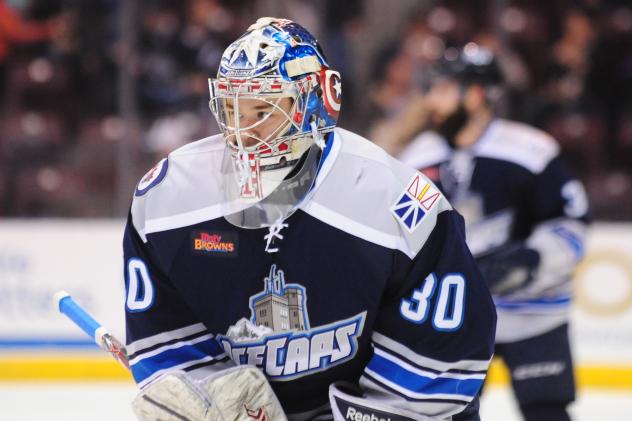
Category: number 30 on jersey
[449,308]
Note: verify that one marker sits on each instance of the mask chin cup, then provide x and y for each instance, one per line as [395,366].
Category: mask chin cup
[287,187]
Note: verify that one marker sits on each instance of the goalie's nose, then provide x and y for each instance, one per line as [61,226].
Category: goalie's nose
[249,139]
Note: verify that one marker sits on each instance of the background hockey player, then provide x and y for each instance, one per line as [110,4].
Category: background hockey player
[289,267]
[525,216]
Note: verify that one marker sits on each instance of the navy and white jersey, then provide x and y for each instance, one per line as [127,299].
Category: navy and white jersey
[372,283]
[511,186]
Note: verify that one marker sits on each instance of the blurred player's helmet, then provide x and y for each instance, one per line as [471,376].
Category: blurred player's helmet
[275,98]
[471,64]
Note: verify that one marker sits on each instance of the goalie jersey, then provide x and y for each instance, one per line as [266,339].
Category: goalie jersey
[372,283]
[511,186]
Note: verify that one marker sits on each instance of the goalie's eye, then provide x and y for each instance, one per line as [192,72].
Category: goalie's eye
[231,115]
[263,114]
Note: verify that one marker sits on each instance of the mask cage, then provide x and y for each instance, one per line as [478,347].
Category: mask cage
[224,104]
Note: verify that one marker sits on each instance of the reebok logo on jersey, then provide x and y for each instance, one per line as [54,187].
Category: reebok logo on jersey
[354,412]
[355,415]
[214,243]
[418,198]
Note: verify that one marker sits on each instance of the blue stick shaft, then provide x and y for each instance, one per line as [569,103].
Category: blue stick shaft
[98,333]
[77,314]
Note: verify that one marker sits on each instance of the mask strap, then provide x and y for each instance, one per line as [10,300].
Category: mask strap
[318,138]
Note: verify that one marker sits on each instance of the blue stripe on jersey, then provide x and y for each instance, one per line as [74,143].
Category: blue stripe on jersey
[173,357]
[421,384]
[561,301]
[426,367]
[572,240]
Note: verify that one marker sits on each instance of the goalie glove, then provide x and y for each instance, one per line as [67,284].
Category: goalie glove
[509,269]
[241,394]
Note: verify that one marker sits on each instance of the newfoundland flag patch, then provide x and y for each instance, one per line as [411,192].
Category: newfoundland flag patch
[416,200]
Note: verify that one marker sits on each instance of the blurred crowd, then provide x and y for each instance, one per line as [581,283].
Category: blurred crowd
[93,92]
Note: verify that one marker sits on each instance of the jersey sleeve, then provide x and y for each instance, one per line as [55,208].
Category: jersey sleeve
[557,194]
[434,336]
[163,334]
[560,211]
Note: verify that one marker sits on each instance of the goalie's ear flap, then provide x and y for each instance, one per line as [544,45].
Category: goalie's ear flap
[347,402]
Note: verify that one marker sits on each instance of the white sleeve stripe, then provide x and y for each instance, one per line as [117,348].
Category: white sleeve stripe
[182,366]
[163,337]
[437,409]
[162,349]
[426,373]
[141,234]
[352,227]
[409,394]
[183,219]
[453,370]
[443,366]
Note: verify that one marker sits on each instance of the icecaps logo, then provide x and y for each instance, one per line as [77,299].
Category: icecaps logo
[418,198]
[278,337]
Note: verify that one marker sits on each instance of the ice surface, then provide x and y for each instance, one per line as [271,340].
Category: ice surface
[62,401]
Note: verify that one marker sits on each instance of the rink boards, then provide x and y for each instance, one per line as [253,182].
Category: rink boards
[84,257]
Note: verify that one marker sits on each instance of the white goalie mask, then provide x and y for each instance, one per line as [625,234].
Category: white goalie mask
[270,102]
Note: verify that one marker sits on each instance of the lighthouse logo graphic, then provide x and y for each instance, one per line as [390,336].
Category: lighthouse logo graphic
[280,307]
[278,338]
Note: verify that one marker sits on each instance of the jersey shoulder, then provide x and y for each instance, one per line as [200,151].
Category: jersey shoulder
[425,150]
[518,143]
[183,155]
[370,194]
[185,182]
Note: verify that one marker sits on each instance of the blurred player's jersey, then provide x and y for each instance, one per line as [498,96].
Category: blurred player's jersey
[512,186]
[372,282]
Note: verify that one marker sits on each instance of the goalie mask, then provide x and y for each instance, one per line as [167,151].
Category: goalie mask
[275,99]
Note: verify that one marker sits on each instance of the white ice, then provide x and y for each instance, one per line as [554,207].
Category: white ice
[25,401]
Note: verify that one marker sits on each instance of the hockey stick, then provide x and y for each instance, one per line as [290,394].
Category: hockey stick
[91,327]
[149,404]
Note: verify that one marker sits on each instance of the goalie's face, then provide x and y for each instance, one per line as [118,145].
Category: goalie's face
[254,124]
[262,152]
